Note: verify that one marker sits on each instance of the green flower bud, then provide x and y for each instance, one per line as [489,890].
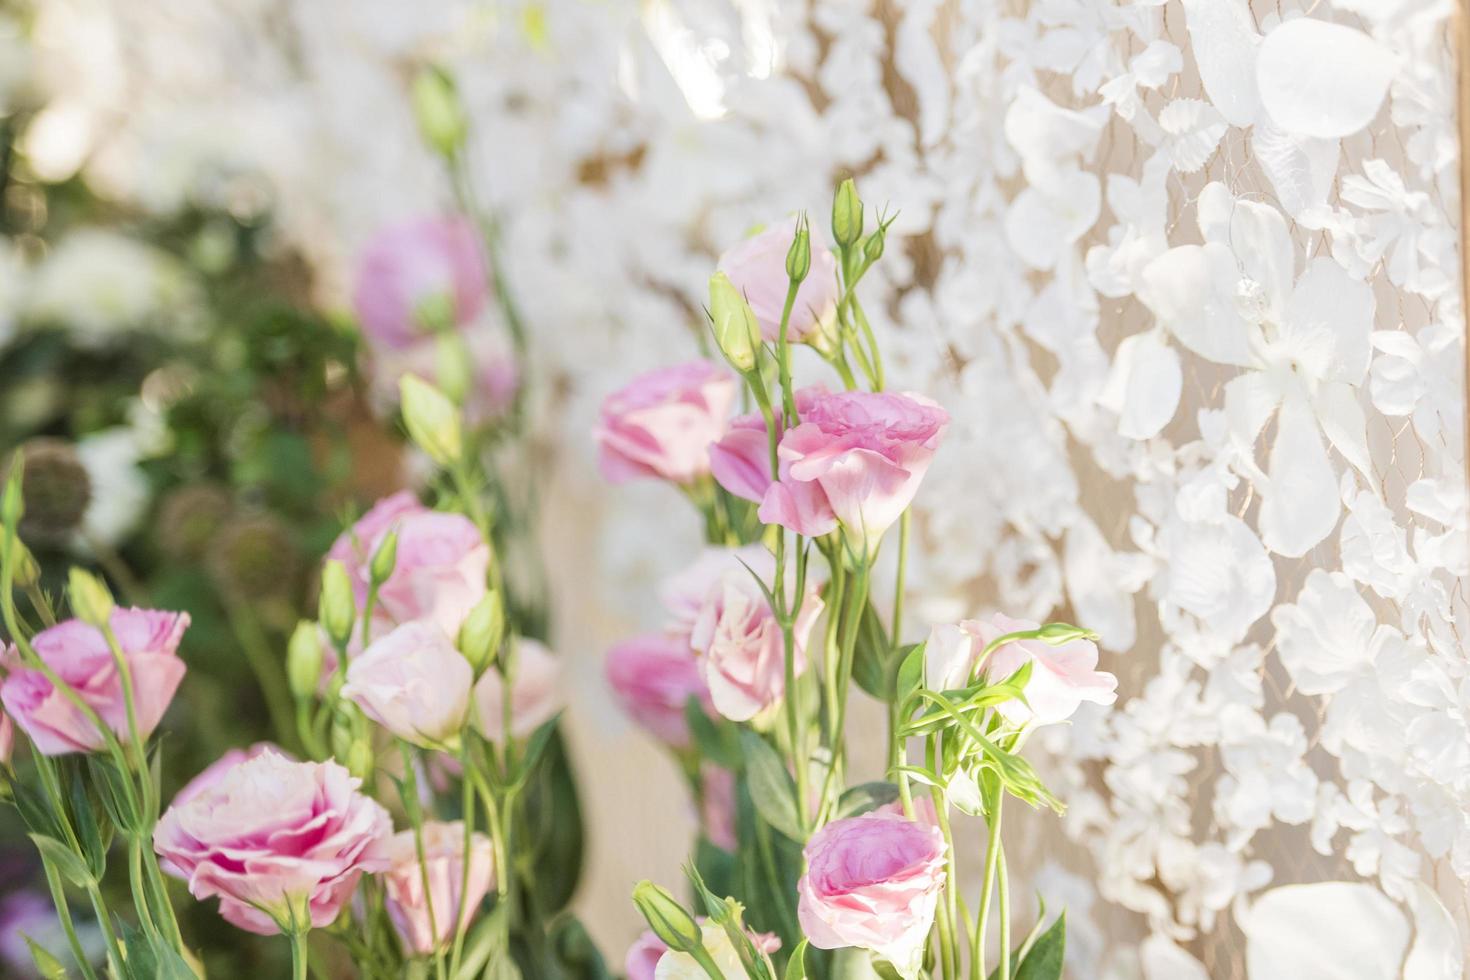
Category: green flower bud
[873,245]
[432,420]
[669,920]
[337,609]
[452,366]
[343,735]
[304,660]
[847,214]
[437,108]
[27,572]
[383,560]
[482,632]
[736,330]
[799,255]
[90,599]
[1058,633]
[13,506]
[359,757]
[47,965]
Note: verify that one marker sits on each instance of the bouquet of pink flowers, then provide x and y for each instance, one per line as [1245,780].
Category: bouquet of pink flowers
[748,680]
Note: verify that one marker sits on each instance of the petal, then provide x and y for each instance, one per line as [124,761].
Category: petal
[1344,424]
[1321,79]
[1329,323]
[1300,505]
[1144,385]
[1192,291]
[1224,41]
[1331,930]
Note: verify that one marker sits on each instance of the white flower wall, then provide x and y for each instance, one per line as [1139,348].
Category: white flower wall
[1186,273]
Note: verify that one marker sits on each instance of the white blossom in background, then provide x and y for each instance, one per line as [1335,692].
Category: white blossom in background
[1185,273]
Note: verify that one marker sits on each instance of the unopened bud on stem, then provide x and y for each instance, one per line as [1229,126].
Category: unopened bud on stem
[337,609]
[90,599]
[847,214]
[735,326]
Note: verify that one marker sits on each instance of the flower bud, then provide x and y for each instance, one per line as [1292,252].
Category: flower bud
[27,572]
[359,757]
[91,602]
[1056,634]
[46,963]
[799,255]
[383,560]
[452,366]
[437,108]
[432,420]
[304,660]
[482,632]
[13,506]
[337,609]
[847,214]
[343,734]
[873,244]
[669,920]
[736,330]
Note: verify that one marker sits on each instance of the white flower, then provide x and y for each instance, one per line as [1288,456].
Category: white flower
[1331,930]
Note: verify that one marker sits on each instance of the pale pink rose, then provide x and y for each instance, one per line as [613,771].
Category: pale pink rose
[7,738]
[535,694]
[662,423]
[219,768]
[873,882]
[857,459]
[757,267]
[414,683]
[654,676]
[439,575]
[719,605]
[643,956]
[741,460]
[444,860]
[271,837]
[413,272]
[1062,677]
[717,805]
[79,655]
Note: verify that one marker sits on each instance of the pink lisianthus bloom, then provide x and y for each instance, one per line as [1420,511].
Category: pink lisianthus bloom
[439,574]
[717,806]
[419,276]
[663,422]
[741,460]
[275,840]
[720,607]
[1062,677]
[444,862]
[414,683]
[757,267]
[642,958]
[211,774]
[654,676]
[873,882]
[78,653]
[535,694]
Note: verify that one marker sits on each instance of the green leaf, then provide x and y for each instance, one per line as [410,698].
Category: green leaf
[874,660]
[771,786]
[551,813]
[89,835]
[1044,960]
[716,740]
[910,673]
[48,967]
[60,857]
[796,966]
[576,952]
[864,797]
[35,811]
[535,748]
[479,941]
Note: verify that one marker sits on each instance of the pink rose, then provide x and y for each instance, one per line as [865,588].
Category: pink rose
[719,605]
[273,838]
[757,267]
[444,860]
[535,695]
[717,805]
[440,569]
[416,276]
[873,881]
[662,423]
[414,683]
[643,956]
[1062,677]
[79,655]
[856,459]
[216,770]
[654,676]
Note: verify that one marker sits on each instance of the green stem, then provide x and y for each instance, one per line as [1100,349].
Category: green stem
[1005,919]
[467,815]
[63,912]
[707,963]
[267,668]
[992,858]
[300,956]
[416,817]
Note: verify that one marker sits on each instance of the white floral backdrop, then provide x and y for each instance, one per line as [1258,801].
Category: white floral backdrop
[1186,272]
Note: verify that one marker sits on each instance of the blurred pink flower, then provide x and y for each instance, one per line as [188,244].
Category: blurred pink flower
[414,683]
[717,805]
[654,676]
[662,423]
[444,861]
[273,839]
[79,654]
[643,956]
[414,274]
[757,267]
[535,693]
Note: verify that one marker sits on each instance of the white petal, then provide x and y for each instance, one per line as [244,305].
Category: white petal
[1143,386]
[1193,128]
[1249,401]
[1300,505]
[1162,960]
[1192,291]
[1333,930]
[1301,168]
[1223,37]
[1344,424]
[1328,325]
[1438,950]
[1317,78]
[1262,246]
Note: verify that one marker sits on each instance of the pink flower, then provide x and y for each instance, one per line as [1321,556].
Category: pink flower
[1062,677]
[217,770]
[873,881]
[419,275]
[717,805]
[741,460]
[495,374]
[7,738]
[414,683]
[441,563]
[757,267]
[719,605]
[535,693]
[856,459]
[643,956]
[654,676]
[273,839]
[444,860]
[79,655]
[662,423]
